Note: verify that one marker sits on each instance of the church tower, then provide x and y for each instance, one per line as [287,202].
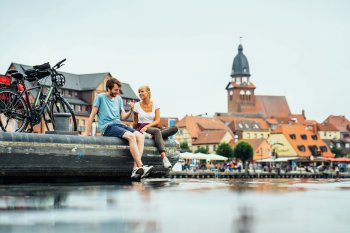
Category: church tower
[240,91]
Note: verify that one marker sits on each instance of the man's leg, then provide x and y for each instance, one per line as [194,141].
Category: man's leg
[134,150]
[140,140]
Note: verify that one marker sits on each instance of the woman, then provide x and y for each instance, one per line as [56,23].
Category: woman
[146,119]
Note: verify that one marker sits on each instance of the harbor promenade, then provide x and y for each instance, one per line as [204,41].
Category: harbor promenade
[251,175]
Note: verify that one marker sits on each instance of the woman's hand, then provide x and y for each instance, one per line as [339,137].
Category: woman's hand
[143,129]
[131,104]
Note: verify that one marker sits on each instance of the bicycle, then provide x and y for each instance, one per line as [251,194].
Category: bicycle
[16,110]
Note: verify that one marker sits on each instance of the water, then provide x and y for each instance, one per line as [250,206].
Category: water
[178,205]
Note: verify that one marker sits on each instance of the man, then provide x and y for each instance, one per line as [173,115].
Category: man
[109,109]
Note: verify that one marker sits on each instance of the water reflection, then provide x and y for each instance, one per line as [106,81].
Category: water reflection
[177,205]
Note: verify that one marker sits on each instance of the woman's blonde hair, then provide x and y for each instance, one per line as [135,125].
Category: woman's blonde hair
[146,88]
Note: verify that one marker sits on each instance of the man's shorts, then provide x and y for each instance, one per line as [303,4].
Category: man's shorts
[117,130]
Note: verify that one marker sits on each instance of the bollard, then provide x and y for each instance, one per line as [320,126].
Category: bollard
[62,124]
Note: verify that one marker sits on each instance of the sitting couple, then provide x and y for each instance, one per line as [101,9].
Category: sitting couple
[109,109]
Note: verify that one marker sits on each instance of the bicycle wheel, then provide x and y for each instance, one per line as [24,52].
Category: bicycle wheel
[60,105]
[48,119]
[13,111]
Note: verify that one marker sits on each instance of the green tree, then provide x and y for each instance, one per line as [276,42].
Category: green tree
[224,149]
[244,152]
[184,147]
[337,152]
[203,150]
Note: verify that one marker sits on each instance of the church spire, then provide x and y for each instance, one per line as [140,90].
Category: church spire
[240,66]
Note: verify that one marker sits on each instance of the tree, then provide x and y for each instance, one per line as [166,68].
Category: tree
[203,150]
[224,149]
[244,152]
[337,152]
[184,147]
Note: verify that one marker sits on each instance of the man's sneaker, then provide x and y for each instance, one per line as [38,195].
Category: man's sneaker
[146,170]
[166,163]
[136,173]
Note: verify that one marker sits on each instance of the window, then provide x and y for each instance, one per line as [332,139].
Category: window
[338,144]
[248,135]
[303,136]
[323,148]
[313,149]
[301,148]
[255,135]
[247,126]
[347,145]
[240,125]
[314,137]
[82,125]
[292,136]
[77,108]
[256,126]
[325,134]
[214,147]
[262,135]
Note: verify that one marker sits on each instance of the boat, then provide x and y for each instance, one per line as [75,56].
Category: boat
[54,158]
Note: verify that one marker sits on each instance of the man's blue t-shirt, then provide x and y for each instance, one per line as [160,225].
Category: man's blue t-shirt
[108,110]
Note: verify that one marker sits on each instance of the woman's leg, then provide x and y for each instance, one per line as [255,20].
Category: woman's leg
[157,139]
[169,131]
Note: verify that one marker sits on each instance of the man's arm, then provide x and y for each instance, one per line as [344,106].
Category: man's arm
[91,118]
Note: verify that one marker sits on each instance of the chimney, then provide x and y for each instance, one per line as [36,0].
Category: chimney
[303,113]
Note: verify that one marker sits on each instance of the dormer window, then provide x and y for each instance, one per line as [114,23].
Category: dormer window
[246,125]
[238,80]
[301,148]
[293,136]
[314,137]
[240,125]
[303,136]
[323,148]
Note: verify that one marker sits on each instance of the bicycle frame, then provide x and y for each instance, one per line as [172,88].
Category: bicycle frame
[38,105]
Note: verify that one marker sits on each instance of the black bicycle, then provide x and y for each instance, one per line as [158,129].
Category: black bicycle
[20,107]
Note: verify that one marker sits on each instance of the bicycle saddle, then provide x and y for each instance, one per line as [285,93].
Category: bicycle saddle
[12,71]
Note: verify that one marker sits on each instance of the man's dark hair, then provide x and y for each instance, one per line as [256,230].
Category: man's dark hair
[110,83]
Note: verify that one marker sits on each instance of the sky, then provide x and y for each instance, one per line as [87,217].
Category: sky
[184,49]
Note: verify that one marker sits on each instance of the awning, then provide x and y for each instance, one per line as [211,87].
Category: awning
[341,160]
[281,159]
[201,156]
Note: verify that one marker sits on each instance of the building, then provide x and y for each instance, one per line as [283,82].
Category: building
[328,131]
[247,128]
[341,123]
[80,91]
[243,102]
[295,140]
[204,132]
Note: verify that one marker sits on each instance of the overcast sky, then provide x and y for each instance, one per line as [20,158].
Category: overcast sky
[184,49]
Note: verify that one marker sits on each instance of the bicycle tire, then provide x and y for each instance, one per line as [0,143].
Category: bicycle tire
[48,119]
[13,111]
[60,105]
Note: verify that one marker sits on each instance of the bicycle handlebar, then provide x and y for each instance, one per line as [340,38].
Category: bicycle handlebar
[58,65]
